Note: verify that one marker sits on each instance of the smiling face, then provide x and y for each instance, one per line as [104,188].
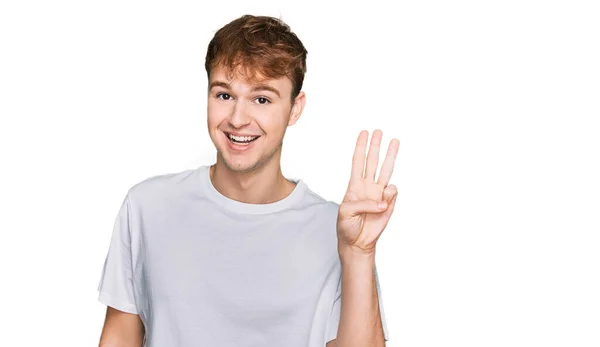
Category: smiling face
[257,115]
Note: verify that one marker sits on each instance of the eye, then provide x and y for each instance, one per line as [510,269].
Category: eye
[223,94]
[265,100]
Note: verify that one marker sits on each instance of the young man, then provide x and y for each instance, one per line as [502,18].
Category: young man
[235,254]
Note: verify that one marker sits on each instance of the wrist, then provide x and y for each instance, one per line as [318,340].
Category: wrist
[351,254]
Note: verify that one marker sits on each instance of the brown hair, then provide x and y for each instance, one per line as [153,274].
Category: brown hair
[258,46]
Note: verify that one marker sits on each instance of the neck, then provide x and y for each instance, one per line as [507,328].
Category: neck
[262,186]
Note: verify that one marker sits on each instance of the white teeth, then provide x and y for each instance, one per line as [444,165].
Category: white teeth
[242,138]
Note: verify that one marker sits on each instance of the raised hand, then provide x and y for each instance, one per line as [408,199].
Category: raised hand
[361,219]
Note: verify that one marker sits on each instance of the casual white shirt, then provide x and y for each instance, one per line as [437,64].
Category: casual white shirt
[201,269]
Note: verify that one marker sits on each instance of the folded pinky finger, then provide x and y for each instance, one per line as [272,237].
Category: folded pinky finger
[389,192]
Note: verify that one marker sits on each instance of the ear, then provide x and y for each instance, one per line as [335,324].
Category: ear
[297,108]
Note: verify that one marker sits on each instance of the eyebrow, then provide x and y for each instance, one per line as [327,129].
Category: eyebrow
[257,87]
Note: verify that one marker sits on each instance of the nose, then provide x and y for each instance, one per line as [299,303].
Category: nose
[239,116]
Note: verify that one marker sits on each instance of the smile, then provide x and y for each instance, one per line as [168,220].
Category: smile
[240,144]
[241,139]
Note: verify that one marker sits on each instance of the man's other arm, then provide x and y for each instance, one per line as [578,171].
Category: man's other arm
[121,329]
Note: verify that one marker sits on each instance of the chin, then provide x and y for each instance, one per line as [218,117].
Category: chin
[240,165]
[241,168]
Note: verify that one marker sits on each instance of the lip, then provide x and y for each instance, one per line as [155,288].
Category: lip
[239,134]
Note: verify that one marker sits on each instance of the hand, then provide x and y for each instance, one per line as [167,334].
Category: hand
[360,221]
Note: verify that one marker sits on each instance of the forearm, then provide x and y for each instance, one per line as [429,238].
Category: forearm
[360,319]
[121,329]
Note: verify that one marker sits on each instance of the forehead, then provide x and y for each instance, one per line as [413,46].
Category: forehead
[245,76]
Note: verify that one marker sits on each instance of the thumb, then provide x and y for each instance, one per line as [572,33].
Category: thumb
[350,209]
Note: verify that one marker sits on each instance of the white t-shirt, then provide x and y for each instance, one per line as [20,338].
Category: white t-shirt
[202,269]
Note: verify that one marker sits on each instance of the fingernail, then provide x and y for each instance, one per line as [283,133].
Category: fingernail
[382,204]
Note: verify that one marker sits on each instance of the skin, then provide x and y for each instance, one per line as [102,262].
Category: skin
[361,220]
[121,329]
[254,176]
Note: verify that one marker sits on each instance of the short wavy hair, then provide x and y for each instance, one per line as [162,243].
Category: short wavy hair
[258,47]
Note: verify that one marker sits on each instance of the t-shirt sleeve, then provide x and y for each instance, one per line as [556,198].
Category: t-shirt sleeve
[116,281]
[334,319]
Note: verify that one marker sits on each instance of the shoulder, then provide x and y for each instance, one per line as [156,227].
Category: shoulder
[324,205]
[161,186]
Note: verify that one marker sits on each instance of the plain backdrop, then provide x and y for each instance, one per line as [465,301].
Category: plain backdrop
[495,238]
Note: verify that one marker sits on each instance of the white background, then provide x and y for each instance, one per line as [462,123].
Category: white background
[495,239]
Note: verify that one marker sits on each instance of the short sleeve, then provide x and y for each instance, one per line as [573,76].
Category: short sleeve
[116,280]
[334,319]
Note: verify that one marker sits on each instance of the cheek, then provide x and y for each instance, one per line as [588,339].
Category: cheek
[273,121]
[215,115]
